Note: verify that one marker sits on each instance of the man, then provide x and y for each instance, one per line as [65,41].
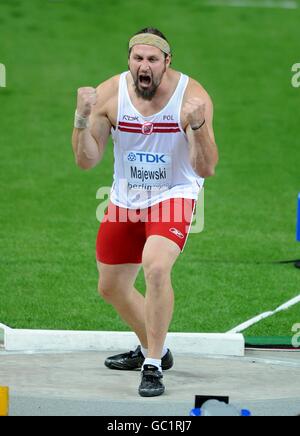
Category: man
[164,146]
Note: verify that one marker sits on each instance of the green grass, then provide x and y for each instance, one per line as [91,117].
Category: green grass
[282,323]
[48,226]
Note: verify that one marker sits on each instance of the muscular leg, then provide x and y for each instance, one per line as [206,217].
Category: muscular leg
[159,257]
[116,286]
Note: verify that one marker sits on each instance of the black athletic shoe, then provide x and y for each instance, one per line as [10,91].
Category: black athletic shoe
[134,361]
[151,385]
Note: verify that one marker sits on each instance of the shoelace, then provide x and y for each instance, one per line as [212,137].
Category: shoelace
[135,353]
[152,373]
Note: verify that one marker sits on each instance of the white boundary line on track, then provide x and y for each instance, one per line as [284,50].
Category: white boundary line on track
[263,4]
[240,328]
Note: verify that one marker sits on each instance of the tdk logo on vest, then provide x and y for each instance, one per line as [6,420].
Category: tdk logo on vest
[147,158]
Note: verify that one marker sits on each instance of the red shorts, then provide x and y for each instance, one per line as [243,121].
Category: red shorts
[124,232]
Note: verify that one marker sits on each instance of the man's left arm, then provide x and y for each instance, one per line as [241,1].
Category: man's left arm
[198,114]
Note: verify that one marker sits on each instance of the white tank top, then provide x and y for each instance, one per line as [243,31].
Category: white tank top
[152,162]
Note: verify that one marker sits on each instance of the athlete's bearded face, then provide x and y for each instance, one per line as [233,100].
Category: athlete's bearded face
[147,65]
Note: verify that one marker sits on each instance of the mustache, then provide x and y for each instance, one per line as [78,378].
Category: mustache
[145,73]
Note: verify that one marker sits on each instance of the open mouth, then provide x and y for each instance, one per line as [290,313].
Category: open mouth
[144,80]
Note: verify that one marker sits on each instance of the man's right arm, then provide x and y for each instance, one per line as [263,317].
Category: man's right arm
[90,137]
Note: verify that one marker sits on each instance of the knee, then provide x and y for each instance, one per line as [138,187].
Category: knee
[156,275]
[107,291]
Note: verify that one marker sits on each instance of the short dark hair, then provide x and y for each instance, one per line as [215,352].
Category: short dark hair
[154,31]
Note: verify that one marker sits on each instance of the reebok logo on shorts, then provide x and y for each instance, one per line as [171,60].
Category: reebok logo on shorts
[176,232]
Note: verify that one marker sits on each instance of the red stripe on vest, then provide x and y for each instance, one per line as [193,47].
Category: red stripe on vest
[127,129]
[165,130]
[168,125]
[139,131]
[121,123]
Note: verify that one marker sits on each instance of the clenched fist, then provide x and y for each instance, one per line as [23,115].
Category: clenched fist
[86,99]
[194,111]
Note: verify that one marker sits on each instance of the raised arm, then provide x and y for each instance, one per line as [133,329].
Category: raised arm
[93,127]
[198,115]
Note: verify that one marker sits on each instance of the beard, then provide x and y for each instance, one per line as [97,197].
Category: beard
[146,85]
